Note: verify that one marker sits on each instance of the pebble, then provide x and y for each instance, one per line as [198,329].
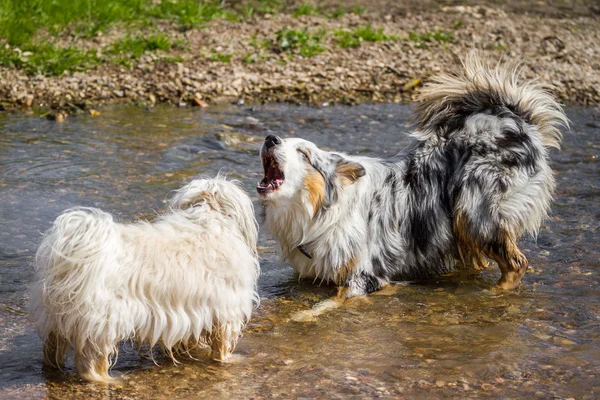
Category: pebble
[197,102]
[375,71]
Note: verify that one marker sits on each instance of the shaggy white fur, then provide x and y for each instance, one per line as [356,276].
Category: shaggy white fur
[186,280]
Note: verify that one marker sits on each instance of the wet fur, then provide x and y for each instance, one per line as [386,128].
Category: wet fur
[186,280]
[474,180]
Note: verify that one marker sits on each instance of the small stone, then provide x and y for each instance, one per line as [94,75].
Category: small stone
[567,342]
[56,116]
[119,93]
[351,378]
[440,383]
[197,102]
[94,113]
[28,100]
[544,253]
[152,98]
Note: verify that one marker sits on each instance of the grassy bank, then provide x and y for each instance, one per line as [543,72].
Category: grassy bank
[54,53]
[37,36]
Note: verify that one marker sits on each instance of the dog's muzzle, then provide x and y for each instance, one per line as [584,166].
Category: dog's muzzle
[272,141]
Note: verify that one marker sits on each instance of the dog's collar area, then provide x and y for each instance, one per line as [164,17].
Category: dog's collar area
[302,250]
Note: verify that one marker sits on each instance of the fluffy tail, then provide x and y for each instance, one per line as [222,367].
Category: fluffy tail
[73,255]
[448,99]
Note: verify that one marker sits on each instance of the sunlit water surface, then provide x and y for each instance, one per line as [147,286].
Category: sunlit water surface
[450,337]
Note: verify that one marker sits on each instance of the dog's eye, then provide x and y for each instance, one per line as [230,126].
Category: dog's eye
[303,154]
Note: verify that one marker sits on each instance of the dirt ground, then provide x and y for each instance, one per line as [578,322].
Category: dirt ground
[556,41]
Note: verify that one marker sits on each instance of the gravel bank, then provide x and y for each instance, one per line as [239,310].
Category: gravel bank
[564,52]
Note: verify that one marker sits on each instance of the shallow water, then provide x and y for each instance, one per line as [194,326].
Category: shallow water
[450,337]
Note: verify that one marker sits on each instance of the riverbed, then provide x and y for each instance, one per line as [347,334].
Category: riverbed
[453,336]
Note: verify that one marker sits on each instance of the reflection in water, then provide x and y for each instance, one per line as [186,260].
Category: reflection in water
[453,336]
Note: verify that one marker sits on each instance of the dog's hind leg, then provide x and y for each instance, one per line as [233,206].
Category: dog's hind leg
[470,253]
[500,246]
[93,364]
[513,264]
[55,350]
[220,343]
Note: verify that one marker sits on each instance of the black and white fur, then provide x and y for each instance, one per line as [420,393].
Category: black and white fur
[473,181]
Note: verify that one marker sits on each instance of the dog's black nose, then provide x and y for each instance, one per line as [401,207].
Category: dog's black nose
[271,141]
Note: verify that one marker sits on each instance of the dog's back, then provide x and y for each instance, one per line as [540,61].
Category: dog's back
[69,259]
[479,173]
[187,279]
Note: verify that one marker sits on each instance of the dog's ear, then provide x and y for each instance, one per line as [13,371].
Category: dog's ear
[186,197]
[349,172]
[337,173]
[233,202]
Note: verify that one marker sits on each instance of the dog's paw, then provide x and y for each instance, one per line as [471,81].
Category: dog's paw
[388,290]
[303,316]
[318,309]
[231,358]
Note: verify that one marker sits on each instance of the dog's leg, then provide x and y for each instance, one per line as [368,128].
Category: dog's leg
[354,290]
[501,248]
[220,343]
[513,264]
[55,350]
[472,258]
[93,365]
[469,251]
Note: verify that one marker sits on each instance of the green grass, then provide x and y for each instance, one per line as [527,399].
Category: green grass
[220,57]
[299,42]
[306,9]
[190,14]
[20,20]
[134,47]
[421,39]
[30,29]
[366,33]
[48,59]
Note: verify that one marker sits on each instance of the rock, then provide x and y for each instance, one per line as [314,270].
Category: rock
[411,85]
[57,116]
[94,113]
[196,102]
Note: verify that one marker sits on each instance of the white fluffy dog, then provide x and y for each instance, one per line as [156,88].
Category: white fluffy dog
[185,280]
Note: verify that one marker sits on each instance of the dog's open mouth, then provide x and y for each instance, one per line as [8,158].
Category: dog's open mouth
[273,175]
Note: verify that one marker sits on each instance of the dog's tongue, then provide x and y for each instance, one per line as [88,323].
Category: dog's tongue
[272,178]
[265,183]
